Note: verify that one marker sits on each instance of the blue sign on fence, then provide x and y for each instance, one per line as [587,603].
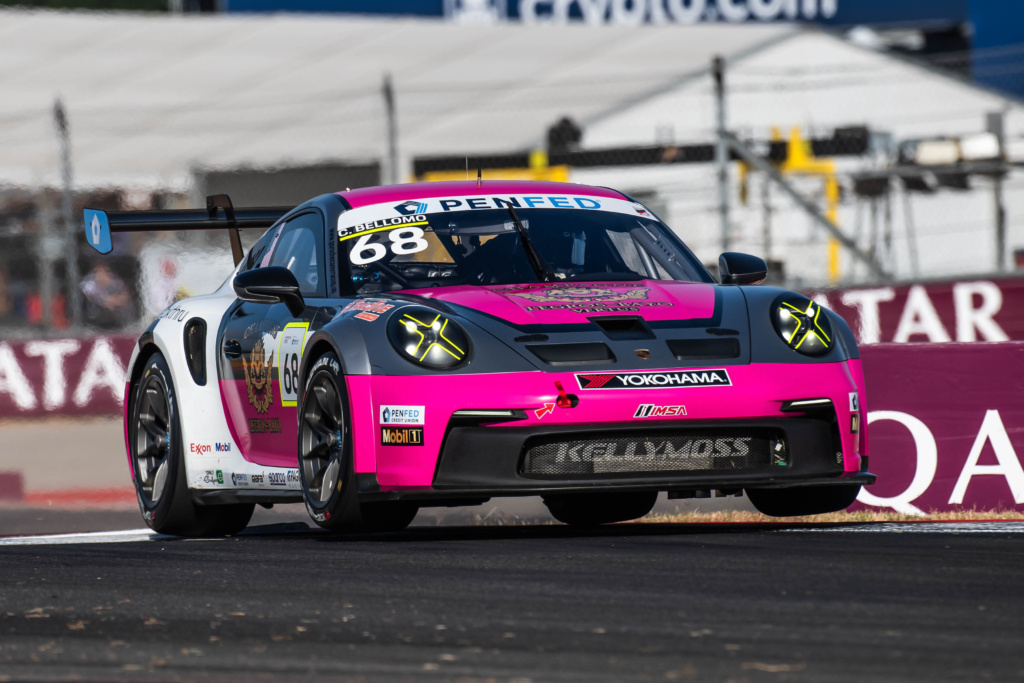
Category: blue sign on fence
[834,12]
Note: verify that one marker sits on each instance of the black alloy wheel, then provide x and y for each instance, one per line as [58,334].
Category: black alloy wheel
[325,448]
[158,465]
[326,460]
[152,438]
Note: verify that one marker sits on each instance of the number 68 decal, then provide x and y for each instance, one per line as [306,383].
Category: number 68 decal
[289,355]
[403,241]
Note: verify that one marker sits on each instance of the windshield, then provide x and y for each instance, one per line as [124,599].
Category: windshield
[485,247]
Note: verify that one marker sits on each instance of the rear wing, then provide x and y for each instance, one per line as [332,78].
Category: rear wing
[218,215]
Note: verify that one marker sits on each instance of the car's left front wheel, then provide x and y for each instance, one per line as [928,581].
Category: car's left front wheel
[326,462]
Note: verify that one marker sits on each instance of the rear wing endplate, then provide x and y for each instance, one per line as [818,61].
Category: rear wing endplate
[218,215]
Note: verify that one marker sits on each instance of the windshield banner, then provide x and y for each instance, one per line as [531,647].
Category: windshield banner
[412,212]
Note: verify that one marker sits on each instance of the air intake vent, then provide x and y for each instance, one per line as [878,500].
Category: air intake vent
[704,349]
[195,343]
[573,354]
[623,326]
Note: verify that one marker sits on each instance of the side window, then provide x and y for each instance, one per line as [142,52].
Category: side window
[261,249]
[300,249]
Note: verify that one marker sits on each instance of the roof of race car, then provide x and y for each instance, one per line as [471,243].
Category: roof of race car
[368,196]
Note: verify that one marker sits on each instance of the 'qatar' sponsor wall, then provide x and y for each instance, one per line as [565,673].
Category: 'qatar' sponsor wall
[958,311]
[946,420]
[63,377]
[946,426]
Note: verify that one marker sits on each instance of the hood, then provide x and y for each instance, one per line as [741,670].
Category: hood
[560,303]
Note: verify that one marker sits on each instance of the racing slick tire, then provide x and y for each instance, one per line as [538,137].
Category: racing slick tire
[807,500]
[326,462]
[158,464]
[594,509]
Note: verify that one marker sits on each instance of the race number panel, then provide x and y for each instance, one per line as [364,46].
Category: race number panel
[289,356]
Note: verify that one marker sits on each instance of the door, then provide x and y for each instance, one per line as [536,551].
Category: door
[261,346]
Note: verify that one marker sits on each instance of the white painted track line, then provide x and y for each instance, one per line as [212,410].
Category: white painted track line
[1008,527]
[125,536]
[139,535]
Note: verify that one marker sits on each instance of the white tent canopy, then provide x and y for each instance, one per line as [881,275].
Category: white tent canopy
[151,97]
[815,82]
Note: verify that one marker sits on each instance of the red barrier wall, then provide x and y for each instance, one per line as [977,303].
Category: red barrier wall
[63,376]
[946,426]
[946,420]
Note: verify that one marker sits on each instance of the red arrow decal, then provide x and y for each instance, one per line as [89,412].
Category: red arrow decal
[541,412]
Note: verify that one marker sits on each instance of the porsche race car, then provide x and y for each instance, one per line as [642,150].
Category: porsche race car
[384,349]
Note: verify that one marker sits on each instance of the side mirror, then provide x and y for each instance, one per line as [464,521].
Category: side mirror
[270,285]
[741,269]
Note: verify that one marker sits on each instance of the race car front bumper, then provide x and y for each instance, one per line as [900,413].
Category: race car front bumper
[481,461]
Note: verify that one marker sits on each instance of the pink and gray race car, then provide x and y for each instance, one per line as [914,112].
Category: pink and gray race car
[390,348]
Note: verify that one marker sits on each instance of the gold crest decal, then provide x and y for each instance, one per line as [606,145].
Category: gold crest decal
[581,294]
[257,379]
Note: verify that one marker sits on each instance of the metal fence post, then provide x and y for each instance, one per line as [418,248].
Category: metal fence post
[389,106]
[73,276]
[994,125]
[721,148]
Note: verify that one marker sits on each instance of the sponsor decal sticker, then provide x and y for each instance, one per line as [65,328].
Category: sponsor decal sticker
[292,476]
[199,448]
[520,202]
[596,298]
[257,378]
[401,436]
[277,479]
[174,313]
[213,477]
[289,354]
[577,293]
[668,379]
[854,402]
[368,309]
[411,207]
[647,450]
[377,306]
[264,425]
[222,447]
[239,479]
[257,478]
[402,415]
[651,410]
[262,327]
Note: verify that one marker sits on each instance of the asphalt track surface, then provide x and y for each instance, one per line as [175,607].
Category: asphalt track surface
[723,602]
